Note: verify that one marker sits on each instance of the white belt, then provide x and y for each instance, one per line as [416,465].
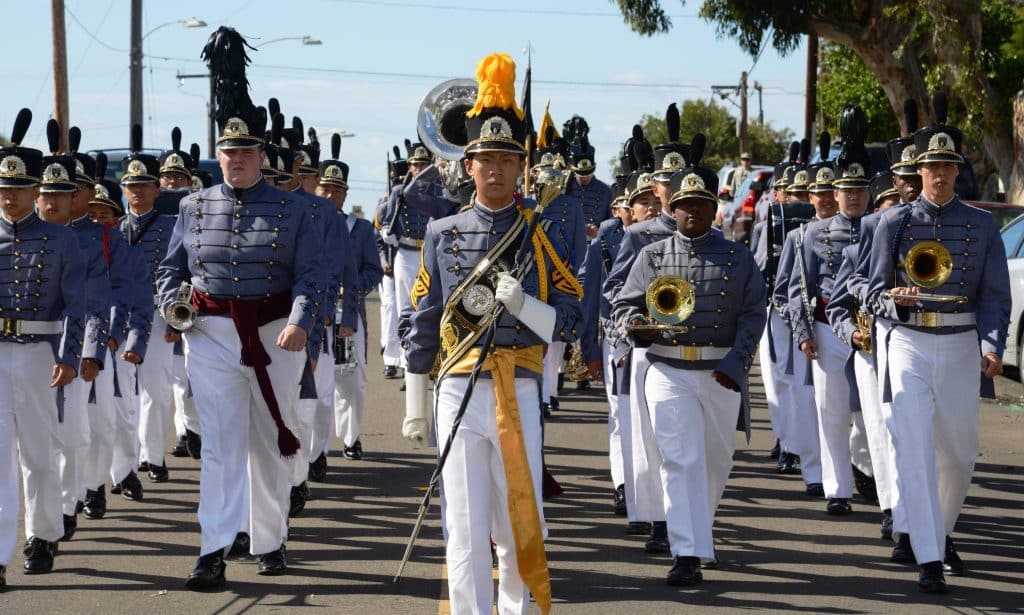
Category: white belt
[940,319]
[689,353]
[10,326]
[410,243]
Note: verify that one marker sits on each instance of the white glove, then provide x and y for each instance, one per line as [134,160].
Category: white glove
[415,427]
[532,312]
[510,292]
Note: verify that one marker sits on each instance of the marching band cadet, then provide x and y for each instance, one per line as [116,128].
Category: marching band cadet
[696,382]
[41,324]
[390,345]
[114,416]
[349,359]
[492,478]
[54,206]
[819,259]
[150,231]
[931,345]
[595,195]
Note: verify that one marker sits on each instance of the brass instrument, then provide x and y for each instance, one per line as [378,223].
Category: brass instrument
[670,301]
[575,369]
[928,264]
[441,119]
[180,314]
[863,322]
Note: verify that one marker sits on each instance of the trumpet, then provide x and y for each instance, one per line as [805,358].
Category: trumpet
[670,301]
[928,264]
[180,314]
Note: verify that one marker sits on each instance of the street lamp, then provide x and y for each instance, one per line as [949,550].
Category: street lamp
[306,40]
[135,57]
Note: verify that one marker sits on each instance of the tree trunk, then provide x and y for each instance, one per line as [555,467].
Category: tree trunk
[1015,187]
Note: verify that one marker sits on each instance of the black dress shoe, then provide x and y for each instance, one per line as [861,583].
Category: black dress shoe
[931,580]
[838,506]
[816,490]
[355,451]
[787,463]
[619,501]
[70,525]
[546,409]
[180,448]
[95,503]
[952,563]
[208,573]
[903,552]
[776,450]
[193,444]
[115,488]
[240,547]
[318,468]
[143,466]
[158,473]
[3,578]
[390,372]
[553,403]
[865,485]
[638,528]
[685,571]
[658,542]
[298,500]
[39,556]
[79,507]
[131,487]
[272,564]
[887,524]
[711,564]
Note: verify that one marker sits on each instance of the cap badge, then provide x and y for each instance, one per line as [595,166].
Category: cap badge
[673,161]
[854,170]
[942,142]
[800,177]
[173,160]
[495,128]
[693,182]
[908,154]
[825,175]
[585,165]
[236,126]
[100,191]
[645,181]
[306,160]
[12,165]
[55,173]
[332,172]
[136,167]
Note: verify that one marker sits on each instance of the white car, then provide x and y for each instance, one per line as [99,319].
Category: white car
[1013,240]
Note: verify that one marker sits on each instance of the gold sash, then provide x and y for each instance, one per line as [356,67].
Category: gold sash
[522,499]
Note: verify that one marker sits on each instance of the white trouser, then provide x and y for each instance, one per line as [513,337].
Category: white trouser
[156,379]
[184,405]
[305,415]
[934,427]
[475,494]
[28,419]
[72,443]
[126,438]
[645,495]
[802,425]
[832,397]
[777,387]
[391,351]
[239,435]
[613,374]
[879,442]
[407,267]
[552,366]
[350,392]
[102,426]
[860,450]
[694,420]
[899,517]
[323,416]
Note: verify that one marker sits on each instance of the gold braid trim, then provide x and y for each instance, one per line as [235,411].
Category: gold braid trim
[421,286]
[562,277]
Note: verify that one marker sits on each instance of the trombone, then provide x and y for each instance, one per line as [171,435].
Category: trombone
[928,264]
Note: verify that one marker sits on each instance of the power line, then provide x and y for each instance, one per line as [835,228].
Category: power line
[91,35]
[506,11]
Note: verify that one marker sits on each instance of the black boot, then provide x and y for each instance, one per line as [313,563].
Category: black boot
[931,580]
[70,525]
[298,500]
[3,578]
[95,503]
[838,506]
[272,564]
[39,556]
[619,501]
[208,573]
[355,451]
[952,563]
[887,524]
[180,448]
[903,552]
[865,485]
[318,469]
[658,542]
[240,547]
[159,473]
[776,450]
[685,571]
[193,444]
[131,488]
[787,463]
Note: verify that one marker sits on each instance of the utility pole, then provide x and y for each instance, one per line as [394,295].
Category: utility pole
[760,108]
[744,146]
[812,86]
[60,72]
[135,65]
[211,111]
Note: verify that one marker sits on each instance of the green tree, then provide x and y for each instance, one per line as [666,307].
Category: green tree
[767,144]
[843,79]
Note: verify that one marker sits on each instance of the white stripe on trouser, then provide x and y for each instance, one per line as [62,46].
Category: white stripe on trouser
[552,365]
[475,494]
[802,425]
[350,393]
[102,425]
[28,419]
[645,495]
[613,374]
[391,350]
[879,441]
[72,442]
[323,416]
[126,439]
[899,517]
[239,435]
[832,398]
[156,376]
[407,267]
[934,427]
[694,421]
[777,392]
[184,406]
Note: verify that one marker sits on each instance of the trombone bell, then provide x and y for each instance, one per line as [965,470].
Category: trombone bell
[670,299]
[928,264]
[180,314]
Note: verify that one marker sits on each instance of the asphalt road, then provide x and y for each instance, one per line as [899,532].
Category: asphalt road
[779,550]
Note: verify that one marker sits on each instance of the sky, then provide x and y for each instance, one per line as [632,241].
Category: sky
[377,60]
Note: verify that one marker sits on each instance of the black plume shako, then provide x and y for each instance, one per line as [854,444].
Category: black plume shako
[672,123]
[53,135]
[225,55]
[910,116]
[824,145]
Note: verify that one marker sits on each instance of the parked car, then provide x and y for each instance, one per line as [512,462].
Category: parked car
[1013,241]
[736,215]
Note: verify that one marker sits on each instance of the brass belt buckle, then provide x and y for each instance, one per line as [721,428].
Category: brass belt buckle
[10,326]
[691,353]
[929,319]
